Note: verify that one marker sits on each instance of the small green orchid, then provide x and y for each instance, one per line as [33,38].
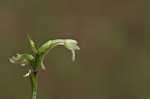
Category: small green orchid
[35,61]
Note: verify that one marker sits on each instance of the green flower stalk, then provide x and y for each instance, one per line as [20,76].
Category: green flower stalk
[35,61]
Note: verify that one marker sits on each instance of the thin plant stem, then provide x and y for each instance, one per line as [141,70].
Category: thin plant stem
[34,83]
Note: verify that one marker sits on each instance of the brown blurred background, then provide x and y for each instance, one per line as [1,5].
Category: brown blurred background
[114,36]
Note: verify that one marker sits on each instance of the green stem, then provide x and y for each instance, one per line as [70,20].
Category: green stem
[34,83]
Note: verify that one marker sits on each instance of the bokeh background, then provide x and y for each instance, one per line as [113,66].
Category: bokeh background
[114,36]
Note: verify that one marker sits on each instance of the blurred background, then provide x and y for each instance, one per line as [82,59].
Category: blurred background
[114,60]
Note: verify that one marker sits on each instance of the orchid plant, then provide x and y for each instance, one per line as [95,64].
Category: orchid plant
[35,61]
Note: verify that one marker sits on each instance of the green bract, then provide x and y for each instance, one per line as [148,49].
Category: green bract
[32,44]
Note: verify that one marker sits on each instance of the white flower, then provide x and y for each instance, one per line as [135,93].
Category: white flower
[22,59]
[72,46]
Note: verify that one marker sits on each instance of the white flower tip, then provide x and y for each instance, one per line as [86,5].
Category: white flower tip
[11,60]
[73,55]
[27,74]
[71,44]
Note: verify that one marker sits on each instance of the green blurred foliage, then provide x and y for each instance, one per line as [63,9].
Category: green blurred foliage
[113,62]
